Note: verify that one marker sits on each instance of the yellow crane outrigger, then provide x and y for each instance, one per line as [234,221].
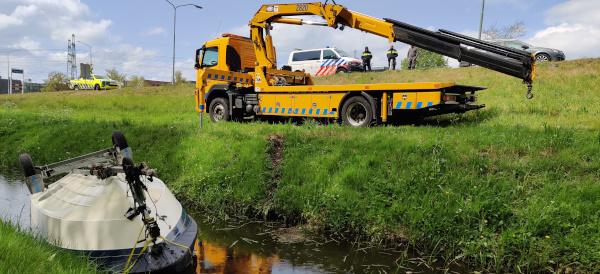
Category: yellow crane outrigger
[238,77]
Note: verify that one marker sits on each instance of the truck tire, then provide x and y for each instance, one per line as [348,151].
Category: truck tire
[219,110]
[27,165]
[97,87]
[76,87]
[357,112]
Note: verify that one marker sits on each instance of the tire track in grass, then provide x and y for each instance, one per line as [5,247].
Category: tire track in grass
[275,153]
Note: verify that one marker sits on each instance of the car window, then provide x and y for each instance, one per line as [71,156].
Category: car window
[515,44]
[313,55]
[329,54]
[211,57]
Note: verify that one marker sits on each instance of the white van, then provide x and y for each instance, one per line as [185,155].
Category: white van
[323,62]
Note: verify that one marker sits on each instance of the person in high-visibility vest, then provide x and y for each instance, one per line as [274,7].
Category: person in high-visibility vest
[392,54]
[366,58]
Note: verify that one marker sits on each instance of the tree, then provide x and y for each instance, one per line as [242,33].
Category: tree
[114,74]
[179,79]
[513,31]
[136,81]
[427,60]
[56,81]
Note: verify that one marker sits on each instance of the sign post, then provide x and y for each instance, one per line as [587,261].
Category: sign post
[18,71]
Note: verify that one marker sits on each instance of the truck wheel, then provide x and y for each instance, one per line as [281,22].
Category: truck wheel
[357,112]
[27,165]
[219,110]
[96,87]
[76,87]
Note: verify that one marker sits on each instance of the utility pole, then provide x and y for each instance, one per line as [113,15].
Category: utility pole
[481,19]
[175,7]
[8,74]
[90,47]
[72,59]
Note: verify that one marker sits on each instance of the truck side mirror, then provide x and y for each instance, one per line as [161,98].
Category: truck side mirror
[197,64]
[525,47]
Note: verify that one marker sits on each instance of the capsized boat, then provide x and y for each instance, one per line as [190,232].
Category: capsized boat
[117,212]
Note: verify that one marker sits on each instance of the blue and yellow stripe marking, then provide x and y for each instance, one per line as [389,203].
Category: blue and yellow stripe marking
[229,77]
[409,105]
[299,111]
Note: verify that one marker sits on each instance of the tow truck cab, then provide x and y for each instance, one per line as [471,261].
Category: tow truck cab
[227,53]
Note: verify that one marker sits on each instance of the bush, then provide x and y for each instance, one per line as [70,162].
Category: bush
[136,81]
[179,79]
[427,60]
[115,75]
[56,81]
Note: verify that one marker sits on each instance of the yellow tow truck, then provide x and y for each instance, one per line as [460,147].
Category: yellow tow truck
[237,77]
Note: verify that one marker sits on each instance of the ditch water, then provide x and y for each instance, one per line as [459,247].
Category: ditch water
[256,247]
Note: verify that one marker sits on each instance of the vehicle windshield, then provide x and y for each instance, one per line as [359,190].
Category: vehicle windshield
[100,77]
[342,53]
[210,57]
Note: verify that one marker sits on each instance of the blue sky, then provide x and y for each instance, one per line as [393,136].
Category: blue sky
[135,36]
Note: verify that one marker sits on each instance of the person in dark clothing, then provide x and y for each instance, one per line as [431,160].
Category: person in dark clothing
[392,54]
[412,58]
[366,58]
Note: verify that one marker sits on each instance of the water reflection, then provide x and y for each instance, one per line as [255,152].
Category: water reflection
[259,248]
[217,259]
[14,202]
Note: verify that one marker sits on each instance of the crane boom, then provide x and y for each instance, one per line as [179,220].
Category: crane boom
[513,62]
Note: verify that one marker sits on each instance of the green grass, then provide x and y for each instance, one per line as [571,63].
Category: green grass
[513,187]
[22,253]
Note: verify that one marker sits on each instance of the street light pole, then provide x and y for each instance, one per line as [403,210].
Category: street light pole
[8,73]
[481,19]
[175,7]
[88,45]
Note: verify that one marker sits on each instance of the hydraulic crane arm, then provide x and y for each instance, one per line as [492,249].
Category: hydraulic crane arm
[514,62]
[517,63]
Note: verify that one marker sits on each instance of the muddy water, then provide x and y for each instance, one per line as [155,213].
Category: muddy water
[252,247]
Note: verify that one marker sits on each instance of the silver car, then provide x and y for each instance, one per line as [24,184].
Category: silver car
[541,54]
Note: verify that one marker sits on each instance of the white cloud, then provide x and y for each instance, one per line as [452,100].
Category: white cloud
[574,28]
[17,16]
[154,31]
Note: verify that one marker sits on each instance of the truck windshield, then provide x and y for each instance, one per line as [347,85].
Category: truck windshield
[211,57]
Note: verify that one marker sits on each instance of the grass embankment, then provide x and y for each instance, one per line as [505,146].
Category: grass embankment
[513,187]
[22,253]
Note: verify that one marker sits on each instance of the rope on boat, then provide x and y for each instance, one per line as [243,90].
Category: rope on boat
[175,243]
[128,267]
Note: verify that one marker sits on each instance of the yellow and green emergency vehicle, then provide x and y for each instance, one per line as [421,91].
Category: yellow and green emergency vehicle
[94,82]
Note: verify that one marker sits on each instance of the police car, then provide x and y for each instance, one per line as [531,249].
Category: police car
[323,62]
[95,82]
